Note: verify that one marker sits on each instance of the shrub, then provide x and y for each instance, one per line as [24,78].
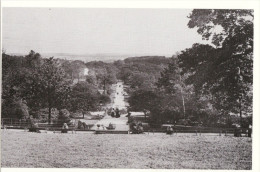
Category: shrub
[64,116]
[14,108]
[104,99]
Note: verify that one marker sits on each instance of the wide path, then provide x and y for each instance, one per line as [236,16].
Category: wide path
[119,103]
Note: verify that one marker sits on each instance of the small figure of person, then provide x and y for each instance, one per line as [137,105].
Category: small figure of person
[169,130]
[110,126]
[113,113]
[85,126]
[106,109]
[65,128]
[80,125]
[33,126]
[128,114]
[117,113]
[73,127]
[134,128]
[140,128]
[238,131]
[249,130]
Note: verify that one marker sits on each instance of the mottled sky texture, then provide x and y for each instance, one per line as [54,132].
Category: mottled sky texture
[92,31]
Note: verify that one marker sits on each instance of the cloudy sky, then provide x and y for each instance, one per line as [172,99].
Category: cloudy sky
[94,31]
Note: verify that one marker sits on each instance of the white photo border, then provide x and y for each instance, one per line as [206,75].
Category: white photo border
[174,4]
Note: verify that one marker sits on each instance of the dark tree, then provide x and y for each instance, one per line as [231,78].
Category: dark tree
[226,71]
[47,87]
[144,101]
[83,98]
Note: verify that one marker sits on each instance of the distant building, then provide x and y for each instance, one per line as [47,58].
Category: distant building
[140,116]
[102,91]
[75,81]
[86,70]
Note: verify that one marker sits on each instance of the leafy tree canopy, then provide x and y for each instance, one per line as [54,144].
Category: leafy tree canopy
[224,72]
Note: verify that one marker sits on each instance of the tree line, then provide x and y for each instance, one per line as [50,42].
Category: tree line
[46,87]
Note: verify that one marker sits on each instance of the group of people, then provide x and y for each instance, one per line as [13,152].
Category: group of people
[115,113]
[136,127]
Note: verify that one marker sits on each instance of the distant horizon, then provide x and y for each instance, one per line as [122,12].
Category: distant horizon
[96,54]
[106,57]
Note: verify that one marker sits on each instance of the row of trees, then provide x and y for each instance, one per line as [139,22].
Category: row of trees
[141,73]
[206,82]
[32,84]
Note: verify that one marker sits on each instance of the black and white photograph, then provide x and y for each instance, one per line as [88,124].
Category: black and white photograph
[128,87]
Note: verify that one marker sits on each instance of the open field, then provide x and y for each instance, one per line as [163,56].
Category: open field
[87,150]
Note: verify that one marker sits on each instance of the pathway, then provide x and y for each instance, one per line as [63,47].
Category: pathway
[119,103]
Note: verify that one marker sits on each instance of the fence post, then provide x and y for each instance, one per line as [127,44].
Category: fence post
[196,132]
[226,133]
[220,133]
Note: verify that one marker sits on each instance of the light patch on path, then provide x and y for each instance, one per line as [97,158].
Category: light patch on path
[121,123]
[119,101]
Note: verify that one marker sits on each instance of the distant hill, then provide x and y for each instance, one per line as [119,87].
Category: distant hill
[148,59]
[105,57]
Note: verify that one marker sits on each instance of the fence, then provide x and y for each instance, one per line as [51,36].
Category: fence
[149,128]
[191,129]
[14,123]
[85,125]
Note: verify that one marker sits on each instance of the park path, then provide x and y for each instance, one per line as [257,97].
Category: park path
[118,102]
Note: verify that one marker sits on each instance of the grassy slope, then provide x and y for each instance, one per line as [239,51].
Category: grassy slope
[85,150]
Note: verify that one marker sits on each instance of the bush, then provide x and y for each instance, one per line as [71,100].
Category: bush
[64,116]
[104,99]
[14,108]
[136,127]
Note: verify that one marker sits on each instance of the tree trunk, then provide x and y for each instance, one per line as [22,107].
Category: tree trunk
[183,102]
[240,111]
[104,87]
[49,118]
[49,103]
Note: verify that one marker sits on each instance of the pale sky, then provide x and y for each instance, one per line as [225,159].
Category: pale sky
[92,31]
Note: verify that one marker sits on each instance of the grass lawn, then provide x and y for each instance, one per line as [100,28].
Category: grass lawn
[87,150]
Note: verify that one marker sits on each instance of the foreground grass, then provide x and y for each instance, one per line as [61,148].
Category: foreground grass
[86,150]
